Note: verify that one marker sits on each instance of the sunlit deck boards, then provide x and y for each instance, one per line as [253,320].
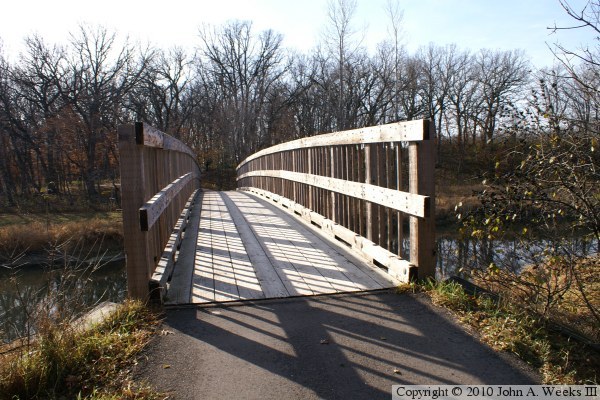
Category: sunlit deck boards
[246,248]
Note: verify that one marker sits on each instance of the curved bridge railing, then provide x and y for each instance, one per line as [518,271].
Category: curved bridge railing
[358,186]
[160,178]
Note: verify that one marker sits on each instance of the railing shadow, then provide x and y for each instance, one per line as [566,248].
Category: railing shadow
[341,346]
[223,261]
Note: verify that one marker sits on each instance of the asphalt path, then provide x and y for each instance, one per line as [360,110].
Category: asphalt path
[325,347]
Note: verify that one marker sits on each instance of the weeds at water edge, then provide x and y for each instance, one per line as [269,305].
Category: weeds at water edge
[95,363]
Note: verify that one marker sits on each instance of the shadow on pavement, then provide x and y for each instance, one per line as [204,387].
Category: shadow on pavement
[331,347]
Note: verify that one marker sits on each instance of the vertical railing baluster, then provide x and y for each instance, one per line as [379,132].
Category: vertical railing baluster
[332,174]
[368,205]
[311,167]
[400,224]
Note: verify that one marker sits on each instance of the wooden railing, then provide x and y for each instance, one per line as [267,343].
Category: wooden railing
[357,186]
[159,179]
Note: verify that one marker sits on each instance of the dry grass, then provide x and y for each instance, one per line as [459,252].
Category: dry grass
[508,327]
[571,309]
[31,235]
[64,362]
[451,192]
[560,292]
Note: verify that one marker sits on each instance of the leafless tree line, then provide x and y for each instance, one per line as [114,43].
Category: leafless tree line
[243,90]
[59,109]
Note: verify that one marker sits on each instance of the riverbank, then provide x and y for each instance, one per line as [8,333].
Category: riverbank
[55,238]
[131,356]
[453,192]
[65,361]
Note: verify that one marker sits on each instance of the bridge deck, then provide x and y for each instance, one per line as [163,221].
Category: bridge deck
[238,246]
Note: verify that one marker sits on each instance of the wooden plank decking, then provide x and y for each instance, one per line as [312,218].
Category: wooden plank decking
[239,247]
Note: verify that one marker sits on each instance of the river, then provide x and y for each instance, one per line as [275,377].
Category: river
[32,290]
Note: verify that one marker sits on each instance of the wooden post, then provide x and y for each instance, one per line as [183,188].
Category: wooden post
[332,169]
[368,205]
[347,170]
[294,168]
[400,226]
[282,181]
[389,167]
[421,180]
[132,198]
[310,171]
[381,181]
[360,162]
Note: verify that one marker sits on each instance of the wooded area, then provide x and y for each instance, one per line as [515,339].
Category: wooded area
[244,90]
[519,142]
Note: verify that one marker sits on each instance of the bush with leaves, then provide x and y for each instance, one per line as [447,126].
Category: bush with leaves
[553,194]
[548,186]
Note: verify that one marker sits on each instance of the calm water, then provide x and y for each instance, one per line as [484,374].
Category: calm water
[27,290]
[24,290]
[456,254]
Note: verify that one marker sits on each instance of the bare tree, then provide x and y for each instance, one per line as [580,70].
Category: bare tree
[396,16]
[30,98]
[582,65]
[101,72]
[501,75]
[380,104]
[340,40]
[587,17]
[240,71]
[437,67]
[163,96]
[37,80]
[463,99]
[313,100]
[409,97]
[7,186]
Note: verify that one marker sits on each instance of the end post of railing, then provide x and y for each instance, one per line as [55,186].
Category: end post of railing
[422,181]
[133,194]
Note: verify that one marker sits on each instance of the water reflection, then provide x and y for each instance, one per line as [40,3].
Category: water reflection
[30,289]
[458,255]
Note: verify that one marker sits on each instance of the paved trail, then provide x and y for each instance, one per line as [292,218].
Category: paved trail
[331,347]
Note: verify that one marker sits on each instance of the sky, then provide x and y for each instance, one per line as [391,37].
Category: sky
[470,24]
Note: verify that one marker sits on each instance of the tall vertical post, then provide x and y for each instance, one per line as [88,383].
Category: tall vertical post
[398,148]
[294,169]
[310,171]
[132,198]
[380,167]
[333,171]
[368,205]
[421,180]
[282,181]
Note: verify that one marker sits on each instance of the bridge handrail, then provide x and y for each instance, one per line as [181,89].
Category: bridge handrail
[353,185]
[159,176]
[394,132]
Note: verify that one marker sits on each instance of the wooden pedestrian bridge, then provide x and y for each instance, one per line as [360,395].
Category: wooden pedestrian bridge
[340,212]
